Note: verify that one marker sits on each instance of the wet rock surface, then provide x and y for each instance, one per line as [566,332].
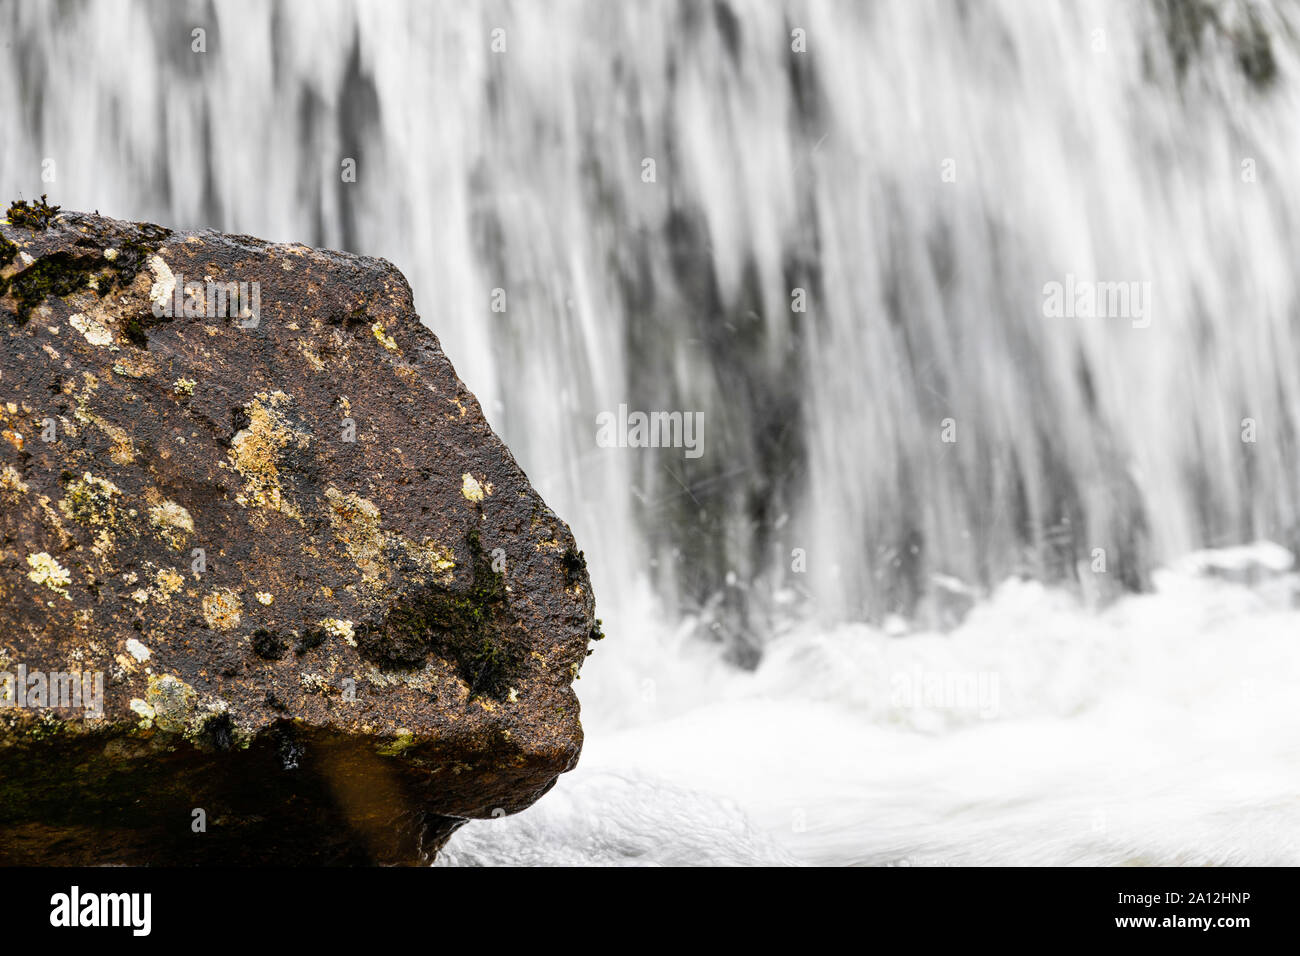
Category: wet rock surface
[241,484]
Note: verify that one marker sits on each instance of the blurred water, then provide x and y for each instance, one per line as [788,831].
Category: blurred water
[920,170]
[1160,732]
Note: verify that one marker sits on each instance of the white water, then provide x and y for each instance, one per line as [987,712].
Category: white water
[1155,729]
[1162,731]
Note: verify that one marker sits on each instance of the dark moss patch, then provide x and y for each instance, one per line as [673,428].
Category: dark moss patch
[269,645]
[464,625]
[133,255]
[64,272]
[217,733]
[239,420]
[36,215]
[596,634]
[135,328]
[55,275]
[7,252]
[309,639]
[574,563]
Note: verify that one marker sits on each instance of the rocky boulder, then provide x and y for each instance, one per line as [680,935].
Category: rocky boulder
[271,588]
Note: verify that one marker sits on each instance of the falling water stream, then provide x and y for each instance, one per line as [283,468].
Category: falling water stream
[957,578]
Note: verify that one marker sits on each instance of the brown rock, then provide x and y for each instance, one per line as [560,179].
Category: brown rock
[328,608]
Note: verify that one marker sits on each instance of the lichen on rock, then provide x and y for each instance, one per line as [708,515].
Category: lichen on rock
[278,608]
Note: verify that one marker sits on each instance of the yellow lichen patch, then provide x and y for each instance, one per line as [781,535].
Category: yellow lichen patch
[146,712]
[404,740]
[14,438]
[92,329]
[133,366]
[314,360]
[421,680]
[167,582]
[472,489]
[173,702]
[314,683]
[103,544]
[222,609]
[12,486]
[383,337]
[55,522]
[45,570]
[431,557]
[123,451]
[255,452]
[140,595]
[343,629]
[93,502]
[264,597]
[173,523]
[184,386]
[356,524]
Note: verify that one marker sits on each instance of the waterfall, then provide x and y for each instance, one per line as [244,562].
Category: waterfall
[960,291]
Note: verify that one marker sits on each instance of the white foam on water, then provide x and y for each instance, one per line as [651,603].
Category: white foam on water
[1159,731]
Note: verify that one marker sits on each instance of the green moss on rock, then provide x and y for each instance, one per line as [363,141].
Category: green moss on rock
[54,275]
[35,215]
[64,272]
[462,625]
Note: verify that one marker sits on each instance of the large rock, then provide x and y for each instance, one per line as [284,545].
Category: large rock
[327,608]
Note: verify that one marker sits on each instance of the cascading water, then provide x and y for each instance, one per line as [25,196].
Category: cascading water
[829,229]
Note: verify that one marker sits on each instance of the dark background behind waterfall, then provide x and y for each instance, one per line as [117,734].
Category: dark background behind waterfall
[1099,139]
